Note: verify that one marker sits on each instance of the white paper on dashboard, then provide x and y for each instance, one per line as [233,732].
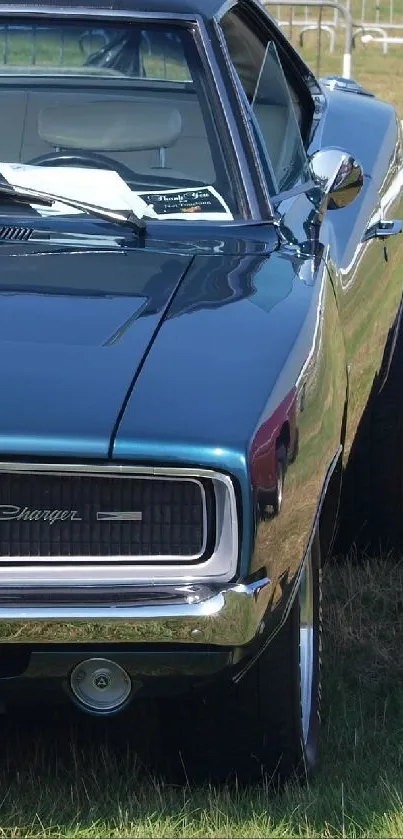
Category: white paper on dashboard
[202,203]
[105,188]
[102,187]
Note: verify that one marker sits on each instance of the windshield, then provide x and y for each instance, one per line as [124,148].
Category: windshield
[127,98]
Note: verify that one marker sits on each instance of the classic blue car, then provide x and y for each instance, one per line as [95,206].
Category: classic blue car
[200,302]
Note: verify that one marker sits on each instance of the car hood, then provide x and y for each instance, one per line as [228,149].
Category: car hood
[74,329]
[132,353]
[229,352]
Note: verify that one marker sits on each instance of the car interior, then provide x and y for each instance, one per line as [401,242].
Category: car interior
[116,98]
[158,137]
[135,103]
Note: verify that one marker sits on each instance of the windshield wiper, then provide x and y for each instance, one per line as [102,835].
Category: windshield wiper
[25,195]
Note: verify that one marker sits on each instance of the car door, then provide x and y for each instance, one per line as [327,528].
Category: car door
[365,269]
[279,112]
[368,278]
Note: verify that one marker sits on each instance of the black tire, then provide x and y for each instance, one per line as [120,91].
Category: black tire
[371,513]
[256,727]
[386,443]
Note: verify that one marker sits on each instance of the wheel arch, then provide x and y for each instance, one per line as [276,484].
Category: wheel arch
[329,510]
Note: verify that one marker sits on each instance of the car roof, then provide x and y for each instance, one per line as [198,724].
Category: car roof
[207,9]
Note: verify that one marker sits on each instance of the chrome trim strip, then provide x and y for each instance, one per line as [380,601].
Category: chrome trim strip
[83,12]
[228,617]
[112,515]
[220,567]
[108,468]
[246,123]
[232,127]
[226,7]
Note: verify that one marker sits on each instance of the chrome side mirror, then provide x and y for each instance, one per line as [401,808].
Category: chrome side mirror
[338,175]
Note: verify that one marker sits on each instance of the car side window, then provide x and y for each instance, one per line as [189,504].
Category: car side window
[273,104]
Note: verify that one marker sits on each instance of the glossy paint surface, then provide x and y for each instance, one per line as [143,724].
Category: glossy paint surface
[367,275]
[207,8]
[250,350]
[73,331]
[202,353]
[217,380]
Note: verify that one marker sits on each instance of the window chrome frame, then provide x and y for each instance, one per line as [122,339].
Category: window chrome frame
[240,96]
[215,76]
[220,567]
[270,200]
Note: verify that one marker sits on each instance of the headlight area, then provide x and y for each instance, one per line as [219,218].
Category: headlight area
[135,598]
[116,525]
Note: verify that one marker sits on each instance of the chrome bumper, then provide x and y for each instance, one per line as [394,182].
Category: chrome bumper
[229,617]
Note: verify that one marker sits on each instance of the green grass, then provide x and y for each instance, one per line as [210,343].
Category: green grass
[379,73]
[68,776]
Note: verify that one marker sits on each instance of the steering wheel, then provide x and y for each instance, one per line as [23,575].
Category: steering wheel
[90,160]
[135,180]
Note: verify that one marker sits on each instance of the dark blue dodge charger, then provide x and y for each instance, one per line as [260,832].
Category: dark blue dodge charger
[200,303]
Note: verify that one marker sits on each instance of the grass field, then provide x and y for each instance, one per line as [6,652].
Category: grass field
[377,72]
[68,776]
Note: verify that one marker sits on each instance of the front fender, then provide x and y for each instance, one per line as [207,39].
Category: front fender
[309,424]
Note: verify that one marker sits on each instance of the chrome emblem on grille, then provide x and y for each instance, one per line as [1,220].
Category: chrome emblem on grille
[106,515]
[9,512]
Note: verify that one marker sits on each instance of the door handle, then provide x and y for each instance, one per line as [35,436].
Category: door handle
[383,229]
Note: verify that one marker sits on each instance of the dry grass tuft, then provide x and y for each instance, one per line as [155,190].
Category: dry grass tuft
[363,611]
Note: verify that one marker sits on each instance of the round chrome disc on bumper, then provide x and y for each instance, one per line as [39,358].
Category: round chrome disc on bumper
[100,685]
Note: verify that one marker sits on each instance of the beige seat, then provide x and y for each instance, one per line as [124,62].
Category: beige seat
[114,126]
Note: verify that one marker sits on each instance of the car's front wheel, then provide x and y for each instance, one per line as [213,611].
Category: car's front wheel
[268,722]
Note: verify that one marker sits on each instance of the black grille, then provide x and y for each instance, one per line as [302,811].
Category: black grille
[172,516]
[20,234]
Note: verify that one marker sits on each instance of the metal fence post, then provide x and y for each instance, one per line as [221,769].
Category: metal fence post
[344,11]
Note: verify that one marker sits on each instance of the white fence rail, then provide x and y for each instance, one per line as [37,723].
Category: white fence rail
[319,24]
